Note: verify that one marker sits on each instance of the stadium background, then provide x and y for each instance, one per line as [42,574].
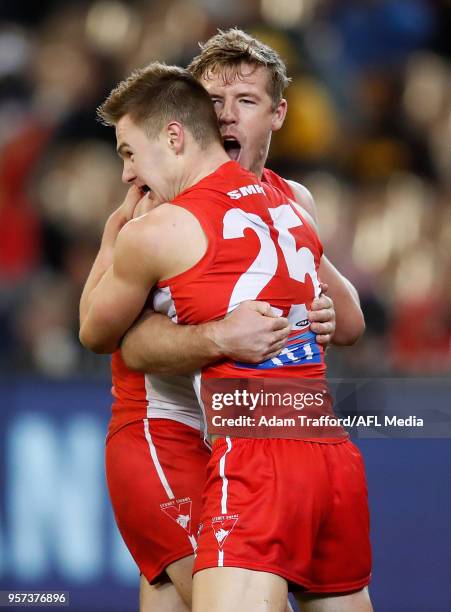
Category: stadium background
[368,131]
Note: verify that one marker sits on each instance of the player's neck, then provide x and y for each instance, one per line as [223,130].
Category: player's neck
[203,163]
[257,165]
[258,169]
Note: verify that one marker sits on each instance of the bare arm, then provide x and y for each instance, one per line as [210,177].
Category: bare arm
[251,333]
[350,323]
[120,295]
[104,259]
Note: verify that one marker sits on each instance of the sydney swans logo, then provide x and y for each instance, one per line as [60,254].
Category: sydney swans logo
[222,527]
[180,511]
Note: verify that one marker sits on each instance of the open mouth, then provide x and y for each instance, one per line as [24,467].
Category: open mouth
[232,147]
[145,189]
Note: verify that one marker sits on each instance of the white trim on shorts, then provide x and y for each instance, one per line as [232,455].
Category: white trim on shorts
[161,474]
[156,462]
[225,489]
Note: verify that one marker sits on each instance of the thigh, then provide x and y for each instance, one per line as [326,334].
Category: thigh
[229,589]
[161,597]
[180,574]
[155,474]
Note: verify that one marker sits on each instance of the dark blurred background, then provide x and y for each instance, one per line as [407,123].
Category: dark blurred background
[368,131]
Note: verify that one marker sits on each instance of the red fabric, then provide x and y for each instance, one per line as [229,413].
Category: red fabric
[228,262]
[129,394]
[275,180]
[145,513]
[293,508]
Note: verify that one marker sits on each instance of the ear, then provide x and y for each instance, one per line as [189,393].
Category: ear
[279,115]
[175,136]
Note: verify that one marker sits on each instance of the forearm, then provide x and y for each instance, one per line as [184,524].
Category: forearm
[156,344]
[97,331]
[251,333]
[104,259]
[350,323]
[100,266]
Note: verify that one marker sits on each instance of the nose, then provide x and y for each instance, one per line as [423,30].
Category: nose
[128,175]
[227,114]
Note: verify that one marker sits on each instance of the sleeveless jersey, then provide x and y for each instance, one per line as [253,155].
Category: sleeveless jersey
[271,178]
[259,248]
[138,396]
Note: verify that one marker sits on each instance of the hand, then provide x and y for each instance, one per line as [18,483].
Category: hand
[322,317]
[147,203]
[122,215]
[251,333]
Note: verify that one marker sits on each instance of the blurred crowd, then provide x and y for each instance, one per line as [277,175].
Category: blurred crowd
[368,131]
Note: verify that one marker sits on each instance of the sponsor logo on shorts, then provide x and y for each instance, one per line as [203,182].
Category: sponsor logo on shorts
[180,511]
[222,526]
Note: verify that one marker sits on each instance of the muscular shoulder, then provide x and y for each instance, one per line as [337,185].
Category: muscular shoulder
[140,245]
[145,231]
[304,198]
[154,240]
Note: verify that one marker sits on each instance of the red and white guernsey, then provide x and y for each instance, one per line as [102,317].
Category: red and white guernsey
[271,178]
[138,396]
[259,248]
[149,396]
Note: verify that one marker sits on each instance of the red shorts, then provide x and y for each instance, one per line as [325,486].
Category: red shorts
[294,508]
[156,472]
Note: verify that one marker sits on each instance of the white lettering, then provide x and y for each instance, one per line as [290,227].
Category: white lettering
[247,190]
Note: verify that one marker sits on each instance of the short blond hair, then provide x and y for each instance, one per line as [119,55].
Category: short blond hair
[227,50]
[158,94]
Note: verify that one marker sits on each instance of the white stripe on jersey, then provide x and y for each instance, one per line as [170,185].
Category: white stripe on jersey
[197,382]
[162,302]
[170,397]
[157,464]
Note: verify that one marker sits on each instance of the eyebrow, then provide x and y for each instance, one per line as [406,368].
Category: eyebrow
[241,94]
[248,94]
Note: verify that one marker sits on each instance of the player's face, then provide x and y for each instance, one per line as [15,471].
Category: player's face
[148,162]
[245,113]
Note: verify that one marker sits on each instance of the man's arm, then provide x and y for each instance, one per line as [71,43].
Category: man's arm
[251,333]
[350,323]
[157,344]
[104,259]
[120,294]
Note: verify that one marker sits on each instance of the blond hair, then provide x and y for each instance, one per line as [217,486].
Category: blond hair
[226,51]
[158,94]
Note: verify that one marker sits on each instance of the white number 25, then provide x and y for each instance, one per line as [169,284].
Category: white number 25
[299,262]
